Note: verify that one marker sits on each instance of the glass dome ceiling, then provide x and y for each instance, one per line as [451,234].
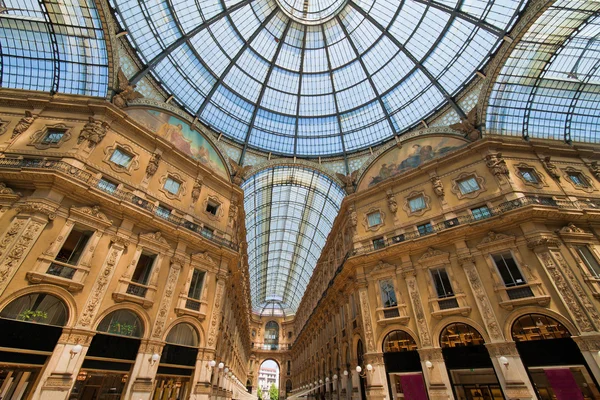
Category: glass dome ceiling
[314,77]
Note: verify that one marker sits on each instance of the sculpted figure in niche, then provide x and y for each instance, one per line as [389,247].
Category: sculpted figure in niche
[23,124]
[153,164]
[196,190]
[392,203]
[496,164]
[551,168]
[93,131]
[438,187]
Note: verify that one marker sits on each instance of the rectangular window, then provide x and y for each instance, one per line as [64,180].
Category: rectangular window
[388,294]
[163,212]
[378,243]
[589,260]
[529,175]
[73,247]
[578,179]
[374,218]
[107,186]
[468,185]
[143,268]
[212,207]
[195,290]
[417,204]
[172,186]
[507,266]
[425,229]
[443,287]
[121,158]
[481,213]
[53,136]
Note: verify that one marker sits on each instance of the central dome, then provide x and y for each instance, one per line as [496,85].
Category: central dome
[311,11]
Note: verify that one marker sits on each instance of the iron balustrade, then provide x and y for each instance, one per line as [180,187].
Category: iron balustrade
[137,289]
[61,271]
[88,178]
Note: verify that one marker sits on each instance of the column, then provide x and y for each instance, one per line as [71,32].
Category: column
[511,371]
[377,387]
[141,382]
[590,348]
[436,374]
[202,374]
[355,379]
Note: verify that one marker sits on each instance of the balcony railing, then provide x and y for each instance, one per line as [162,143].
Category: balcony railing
[88,178]
[61,270]
[137,289]
[466,219]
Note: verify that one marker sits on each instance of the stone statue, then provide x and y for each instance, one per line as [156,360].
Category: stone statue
[196,190]
[125,93]
[153,164]
[551,168]
[239,172]
[468,126]
[352,216]
[349,181]
[23,124]
[93,131]
[392,203]
[595,169]
[438,187]
[497,165]
[233,212]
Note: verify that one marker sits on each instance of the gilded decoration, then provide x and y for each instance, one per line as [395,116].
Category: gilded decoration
[415,195]
[38,138]
[466,175]
[133,165]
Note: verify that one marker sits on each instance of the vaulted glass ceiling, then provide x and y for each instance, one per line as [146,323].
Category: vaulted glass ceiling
[314,77]
[289,213]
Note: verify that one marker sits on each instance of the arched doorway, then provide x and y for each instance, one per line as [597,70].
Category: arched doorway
[555,365]
[177,363]
[30,327]
[268,379]
[403,366]
[360,357]
[110,358]
[469,365]
[271,336]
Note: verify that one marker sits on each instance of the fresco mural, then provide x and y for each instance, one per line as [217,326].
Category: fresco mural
[412,154]
[181,134]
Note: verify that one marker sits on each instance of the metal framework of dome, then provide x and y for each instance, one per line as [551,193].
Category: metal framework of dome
[314,77]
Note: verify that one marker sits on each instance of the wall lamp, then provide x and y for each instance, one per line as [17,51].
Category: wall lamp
[345,373]
[429,364]
[154,358]
[360,371]
[211,364]
[76,350]
[504,361]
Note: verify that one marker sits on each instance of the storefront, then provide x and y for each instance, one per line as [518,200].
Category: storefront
[469,365]
[556,367]
[30,327]
[110,358]
[403,367]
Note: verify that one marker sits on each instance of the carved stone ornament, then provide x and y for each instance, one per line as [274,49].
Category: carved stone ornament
[349,181]
[497,165]
[366,316]
[415,298]
[37,207]
[93,132]
[352,216]
[38,138]
[492,237]
[502,349]
[197,189]
[438,186]
[126,92]
[214,319]
[204,259]
[18,251]
[5,190]
[152,166]
[594,169]
[571,228]
[391,200]
[233,214]
[155,240]
[483,301]
[3,126]
[365,219]
[134,164]
[468,126]
[431,354]
[471,195]
[239,172]
[165,303]
[90,215]
[120,241]
[551,168]
[543,242]
[432,254]
[23,124]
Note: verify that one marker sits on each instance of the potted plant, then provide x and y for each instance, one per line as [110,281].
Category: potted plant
[32,316]
[121,329]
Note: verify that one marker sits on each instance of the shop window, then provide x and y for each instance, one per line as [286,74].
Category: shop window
[183,334]
[163,212]
[425,229]
[172,186]
[378,243]
[537,327]
[123,323]
[459,334]
[107,185]
[480,213]
[70,253]
[53,136]
[121,158]
[212,207]
[511,276]
[374,219]
[417,204]
[589,260]
[468,185]
[578,179]
[529,175]
[40,308]
[397,341]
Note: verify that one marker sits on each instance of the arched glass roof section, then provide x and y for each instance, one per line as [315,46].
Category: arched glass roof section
[289,213]
[550,85]
[53,46]
[325,78]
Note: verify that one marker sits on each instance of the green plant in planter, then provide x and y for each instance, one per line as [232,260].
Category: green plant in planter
[122,329]
[32,316]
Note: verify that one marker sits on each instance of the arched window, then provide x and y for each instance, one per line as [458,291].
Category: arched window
[123,323]
[397,341]
[40,308]
[459,335]
[537,327]
[272,333]
[183,334]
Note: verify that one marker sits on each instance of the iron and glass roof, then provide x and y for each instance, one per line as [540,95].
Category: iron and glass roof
[314,77]
[289,213]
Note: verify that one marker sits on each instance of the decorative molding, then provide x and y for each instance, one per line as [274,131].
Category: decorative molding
[176,177]
[155,241]
[23,124]
[414,195]
[365,219]
[215,199]
[493,239]
[433,257]
[391,201]
[239,172]
[540,177]
[32,207]
[197,189]
[415,297]
[3,126]
[589,188]
[16,253]
[465,175]
[36,138]
[366,317]
[152,166]
[215,317]
[593,166]
[438,186]
[93,132]
[133,165]
[502,349]
[543,242]
[551,168]
[165,304]
[349,181]
[91,216]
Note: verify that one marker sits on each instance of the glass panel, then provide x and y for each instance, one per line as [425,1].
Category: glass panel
[195,290]
[40,308]
[143,269]
[73,247]
[184,335]
[121,158]
[425,229]
[577,179]
[397,341]
[589,260]
[53,136]
[107,186]
[388,294]
[417,203]
[537,327]
[507,266]
[374,218]
[481,213]
[529,175]
[459,334]
[442,282]
[468,185]
[172,186]
[163,212]
[122,322]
